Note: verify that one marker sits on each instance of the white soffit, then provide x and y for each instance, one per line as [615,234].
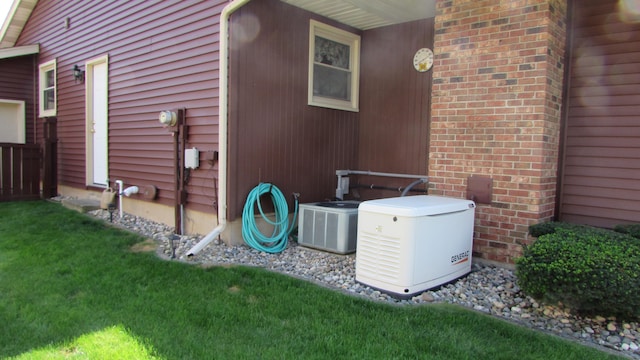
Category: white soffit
[369,14]
[16,19]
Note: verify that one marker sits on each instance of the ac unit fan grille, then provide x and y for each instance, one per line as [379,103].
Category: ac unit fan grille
[327,228]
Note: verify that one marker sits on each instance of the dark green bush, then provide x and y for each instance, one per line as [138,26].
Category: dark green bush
[630,229]
[592,271]
[537,230]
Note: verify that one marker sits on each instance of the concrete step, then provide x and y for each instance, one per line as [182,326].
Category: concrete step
[81,205]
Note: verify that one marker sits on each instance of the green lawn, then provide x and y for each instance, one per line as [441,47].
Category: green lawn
[70,287]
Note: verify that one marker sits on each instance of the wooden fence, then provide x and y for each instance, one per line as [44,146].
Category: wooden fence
[20,171]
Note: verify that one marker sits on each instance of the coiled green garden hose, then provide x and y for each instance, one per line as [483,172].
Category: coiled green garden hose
[277,242]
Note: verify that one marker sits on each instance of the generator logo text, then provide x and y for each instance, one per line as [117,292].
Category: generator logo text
[460,258]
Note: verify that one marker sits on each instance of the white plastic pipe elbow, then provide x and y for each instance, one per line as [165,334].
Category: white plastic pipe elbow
[130,191]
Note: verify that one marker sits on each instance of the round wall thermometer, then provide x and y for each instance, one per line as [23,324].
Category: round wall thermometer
[423,59]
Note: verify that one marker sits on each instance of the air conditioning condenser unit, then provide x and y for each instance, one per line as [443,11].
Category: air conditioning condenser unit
[330,226]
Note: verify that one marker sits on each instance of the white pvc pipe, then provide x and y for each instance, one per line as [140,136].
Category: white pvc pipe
[130,191]
[223,125]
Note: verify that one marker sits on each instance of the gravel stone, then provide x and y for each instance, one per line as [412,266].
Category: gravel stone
[488,289]
[614,340]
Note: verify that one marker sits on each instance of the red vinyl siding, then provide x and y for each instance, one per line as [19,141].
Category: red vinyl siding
[601,168]
[17,83]
[163,55]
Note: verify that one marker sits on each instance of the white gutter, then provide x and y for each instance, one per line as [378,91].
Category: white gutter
[223,88]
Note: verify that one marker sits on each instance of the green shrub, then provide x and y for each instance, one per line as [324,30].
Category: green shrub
[592,271]
[630,229]
[537,230]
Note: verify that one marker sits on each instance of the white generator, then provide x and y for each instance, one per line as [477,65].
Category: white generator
[410,244]
[330,226]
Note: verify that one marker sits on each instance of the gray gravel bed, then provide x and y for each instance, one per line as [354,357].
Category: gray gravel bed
[488,289]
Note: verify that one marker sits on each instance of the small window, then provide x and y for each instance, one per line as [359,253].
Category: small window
[334,57]
[12,121]
[47,94]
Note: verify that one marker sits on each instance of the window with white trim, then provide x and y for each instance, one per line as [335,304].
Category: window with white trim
[12,121]
[47,89]
[334,61]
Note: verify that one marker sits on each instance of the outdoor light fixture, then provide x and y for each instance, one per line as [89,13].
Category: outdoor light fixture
[78,75]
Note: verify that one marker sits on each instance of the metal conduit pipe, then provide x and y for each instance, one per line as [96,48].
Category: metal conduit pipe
[343,180]
[120,184]
[376,173]
[223,125]
[390,188]
[410,186]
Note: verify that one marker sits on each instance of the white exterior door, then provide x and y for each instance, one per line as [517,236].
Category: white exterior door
[97,122]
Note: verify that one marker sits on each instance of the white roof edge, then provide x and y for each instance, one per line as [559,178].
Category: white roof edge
[8,20]
[19,51]
[7,24]
[17,17]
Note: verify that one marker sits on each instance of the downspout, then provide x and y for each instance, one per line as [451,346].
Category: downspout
[223,125]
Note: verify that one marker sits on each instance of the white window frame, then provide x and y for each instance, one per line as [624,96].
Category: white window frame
[43,69]
[315,98]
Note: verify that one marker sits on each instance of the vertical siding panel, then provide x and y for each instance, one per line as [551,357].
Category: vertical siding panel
[602,146]
[394,117]
[278,137]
